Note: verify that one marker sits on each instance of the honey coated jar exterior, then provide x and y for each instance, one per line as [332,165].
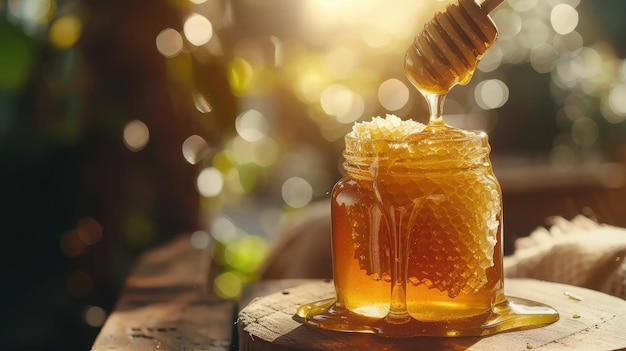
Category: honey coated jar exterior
[417,229]
[417,241]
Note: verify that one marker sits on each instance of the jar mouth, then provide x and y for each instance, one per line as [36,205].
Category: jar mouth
[456,149]
[451,135]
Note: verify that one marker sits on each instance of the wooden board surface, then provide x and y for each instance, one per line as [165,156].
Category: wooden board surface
[595,322]
[167,305]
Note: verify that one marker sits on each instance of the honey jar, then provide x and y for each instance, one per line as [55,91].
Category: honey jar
[417,236]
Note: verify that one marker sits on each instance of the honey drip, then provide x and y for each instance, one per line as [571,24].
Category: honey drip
[417,221]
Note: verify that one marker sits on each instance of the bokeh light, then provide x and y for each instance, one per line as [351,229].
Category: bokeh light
[491,94]
[71,244]
[509,24]
[344,104]
[246,253]
[65,31]
[265,152]
[297,192]
[564,18]
[523,5]
[228,285]
[491,60]
[169,42]
[195,149]
[240,76]
[32,11]
[614,106]
[569,42]
[585,131]
[94,316]
[198,29]
[542,58]
[200,239]
[252,125]
[222,228]
[89,231]
[534,33]
[393,94]
[202,103]
[210,182]
[75,242]
[136,135]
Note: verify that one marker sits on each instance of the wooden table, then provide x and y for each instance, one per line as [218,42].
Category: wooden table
[167,305]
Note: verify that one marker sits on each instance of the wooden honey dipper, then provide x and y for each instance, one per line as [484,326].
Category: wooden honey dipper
[447,50]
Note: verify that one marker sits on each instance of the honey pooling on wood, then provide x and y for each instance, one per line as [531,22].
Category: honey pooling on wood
[449,47]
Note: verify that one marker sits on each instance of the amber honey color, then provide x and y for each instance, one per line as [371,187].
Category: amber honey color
[417,239]
[414,216]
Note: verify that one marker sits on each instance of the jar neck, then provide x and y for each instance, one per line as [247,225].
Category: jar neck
[422,152]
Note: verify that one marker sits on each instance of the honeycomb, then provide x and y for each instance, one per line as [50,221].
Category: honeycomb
[447,216]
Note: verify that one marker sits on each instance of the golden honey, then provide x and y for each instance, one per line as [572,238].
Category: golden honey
[417,237]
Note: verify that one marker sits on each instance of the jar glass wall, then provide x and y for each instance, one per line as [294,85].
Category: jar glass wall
[417,240]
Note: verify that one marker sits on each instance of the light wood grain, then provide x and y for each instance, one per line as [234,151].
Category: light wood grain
[167,305]
[595,322]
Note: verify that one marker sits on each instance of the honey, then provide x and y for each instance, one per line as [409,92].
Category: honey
[417,237]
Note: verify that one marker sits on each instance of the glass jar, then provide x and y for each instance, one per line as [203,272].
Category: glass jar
[417,240]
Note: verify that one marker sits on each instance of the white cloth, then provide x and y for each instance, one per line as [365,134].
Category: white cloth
[578,252]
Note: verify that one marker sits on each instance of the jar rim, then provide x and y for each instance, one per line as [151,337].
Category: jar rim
[468,136]
[462,149]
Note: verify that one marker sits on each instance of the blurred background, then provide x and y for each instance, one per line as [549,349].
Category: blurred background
[125,123]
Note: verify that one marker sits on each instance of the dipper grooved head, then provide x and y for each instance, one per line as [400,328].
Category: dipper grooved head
[447,50]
